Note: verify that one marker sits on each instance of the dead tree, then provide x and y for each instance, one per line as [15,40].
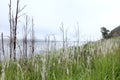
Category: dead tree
[3,51]
[13,20]
[10,22]
[15,30]
[25,39]
[33,38]
[63,35]
[78,34]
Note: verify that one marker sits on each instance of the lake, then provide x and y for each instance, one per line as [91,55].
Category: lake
[40,46]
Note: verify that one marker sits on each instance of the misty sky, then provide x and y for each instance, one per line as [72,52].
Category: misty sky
[91,15]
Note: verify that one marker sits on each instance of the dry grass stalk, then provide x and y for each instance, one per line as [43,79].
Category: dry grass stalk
[2,72]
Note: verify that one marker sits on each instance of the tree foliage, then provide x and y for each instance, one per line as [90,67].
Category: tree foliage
[104,32]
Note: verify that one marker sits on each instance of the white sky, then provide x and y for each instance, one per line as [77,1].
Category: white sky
[48,15]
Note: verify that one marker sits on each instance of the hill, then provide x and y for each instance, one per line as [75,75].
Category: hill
[115,32]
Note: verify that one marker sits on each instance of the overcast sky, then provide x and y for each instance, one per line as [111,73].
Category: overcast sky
[91,15]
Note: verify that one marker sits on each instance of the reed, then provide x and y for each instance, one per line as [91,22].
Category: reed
[98,60]
[92,61]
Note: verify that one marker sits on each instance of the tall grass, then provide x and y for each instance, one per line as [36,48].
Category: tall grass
[92,61]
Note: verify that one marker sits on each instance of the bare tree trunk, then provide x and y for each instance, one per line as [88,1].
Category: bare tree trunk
[3,51]
[15,30]
[63,35]
[3,62]
[10,21]
[25,39]
[66,39]
[78,34]
[33,38]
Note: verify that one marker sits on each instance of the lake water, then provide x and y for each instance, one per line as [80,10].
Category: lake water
[40,46]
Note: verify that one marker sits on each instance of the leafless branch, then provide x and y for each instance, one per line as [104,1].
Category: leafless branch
[20,10]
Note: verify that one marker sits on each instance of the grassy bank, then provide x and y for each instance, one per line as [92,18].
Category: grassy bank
[93,61]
